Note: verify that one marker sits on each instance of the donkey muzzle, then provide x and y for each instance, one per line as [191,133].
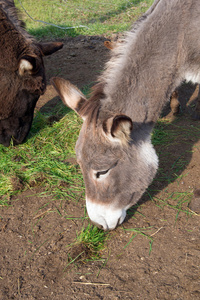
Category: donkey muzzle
[105,216]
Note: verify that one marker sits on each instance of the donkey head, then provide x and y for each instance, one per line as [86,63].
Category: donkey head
[22,82]
[118,162]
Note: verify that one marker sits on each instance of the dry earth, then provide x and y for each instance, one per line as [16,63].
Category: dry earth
[34,236]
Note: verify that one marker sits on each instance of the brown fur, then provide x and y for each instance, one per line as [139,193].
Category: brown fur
[22,78]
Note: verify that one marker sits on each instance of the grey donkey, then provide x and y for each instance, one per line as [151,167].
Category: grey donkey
[114,147]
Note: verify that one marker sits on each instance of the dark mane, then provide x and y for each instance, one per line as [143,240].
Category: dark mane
[91,107]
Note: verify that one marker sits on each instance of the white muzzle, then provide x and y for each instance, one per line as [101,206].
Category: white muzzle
[106,216]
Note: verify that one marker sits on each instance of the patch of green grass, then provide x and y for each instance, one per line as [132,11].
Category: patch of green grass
[93,238]
[89,245]
[98,17]
[160,135]
[46,159]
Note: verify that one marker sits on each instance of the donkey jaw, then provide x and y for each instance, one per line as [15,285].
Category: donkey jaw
[104,216]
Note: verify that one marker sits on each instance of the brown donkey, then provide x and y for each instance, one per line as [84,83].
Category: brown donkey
[114,147]
[22,74]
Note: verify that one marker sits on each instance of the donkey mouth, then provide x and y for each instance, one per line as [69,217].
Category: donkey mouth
[106,217]
[98,225]
[105,227]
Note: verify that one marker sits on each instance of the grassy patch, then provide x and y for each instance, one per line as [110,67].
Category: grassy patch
[89,245]
[97,17]
[47,158]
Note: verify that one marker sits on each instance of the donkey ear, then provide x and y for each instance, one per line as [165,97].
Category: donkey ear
[119,128]
[70,94]
[26,64]
[50,48]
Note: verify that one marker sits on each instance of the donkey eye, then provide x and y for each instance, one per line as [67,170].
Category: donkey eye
[101,173]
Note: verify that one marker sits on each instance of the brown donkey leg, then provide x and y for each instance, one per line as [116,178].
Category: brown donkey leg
[174,103]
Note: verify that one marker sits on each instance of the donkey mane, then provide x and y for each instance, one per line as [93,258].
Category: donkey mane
[92,107]
[120,52]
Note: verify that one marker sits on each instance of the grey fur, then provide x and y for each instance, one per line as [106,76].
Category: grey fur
[161,50]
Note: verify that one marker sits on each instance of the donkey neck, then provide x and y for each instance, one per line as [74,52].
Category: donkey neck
[147,67]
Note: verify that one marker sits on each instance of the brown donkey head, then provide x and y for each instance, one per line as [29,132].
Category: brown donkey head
[22,79]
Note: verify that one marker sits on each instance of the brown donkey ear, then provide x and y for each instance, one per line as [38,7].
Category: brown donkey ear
[70,94]
[50,48]
[27,64]
[119,127]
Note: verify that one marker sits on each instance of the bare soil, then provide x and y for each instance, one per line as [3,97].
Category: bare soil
[34,231]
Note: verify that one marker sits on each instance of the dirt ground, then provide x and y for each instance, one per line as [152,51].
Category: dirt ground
[34,231]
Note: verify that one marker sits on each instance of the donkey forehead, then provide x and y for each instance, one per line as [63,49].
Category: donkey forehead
[92,147]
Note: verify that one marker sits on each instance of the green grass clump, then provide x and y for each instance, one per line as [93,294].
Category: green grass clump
[93,238]
[97,18]
[89,245]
